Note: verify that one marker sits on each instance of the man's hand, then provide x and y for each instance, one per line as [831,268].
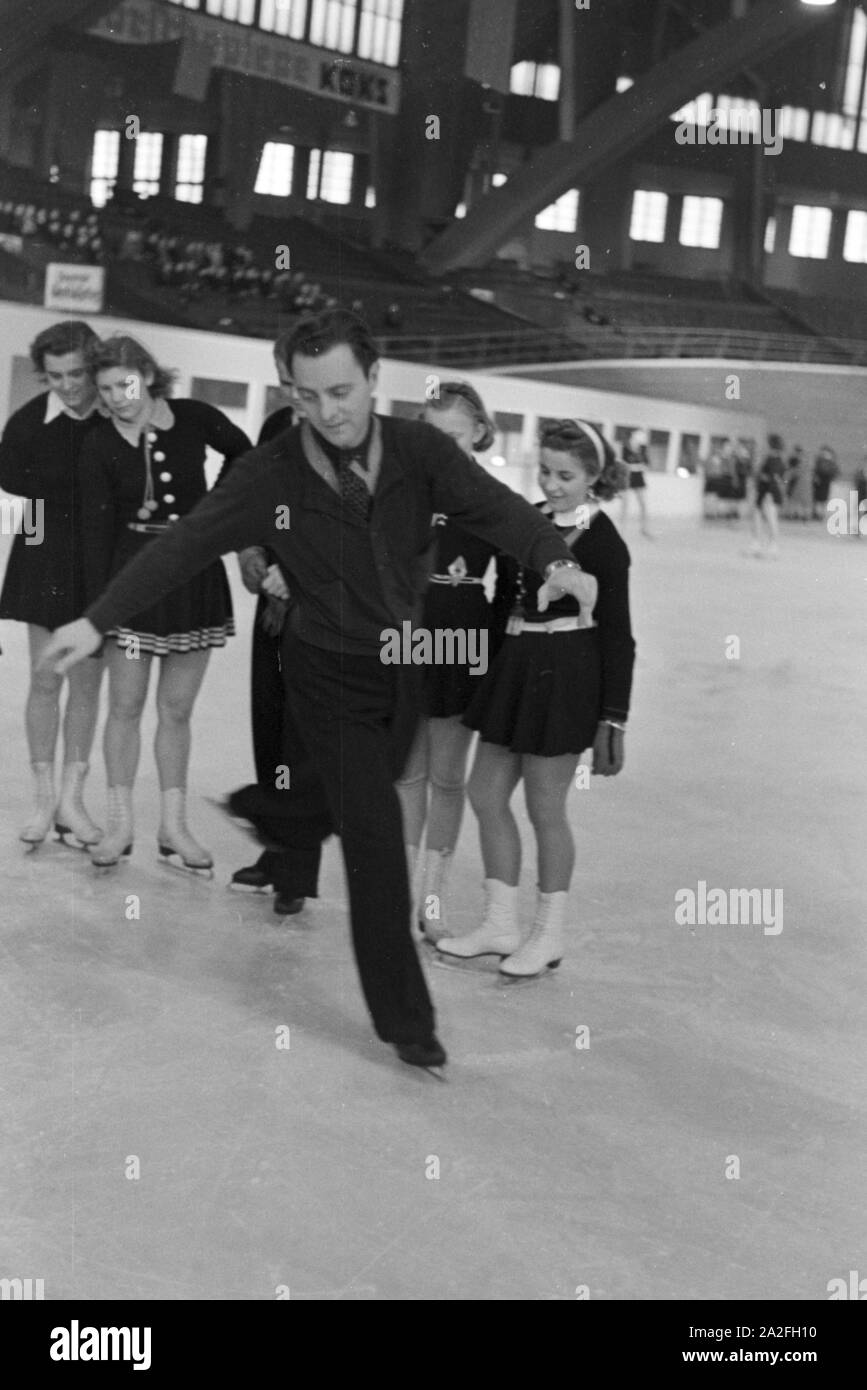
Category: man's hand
[68,645]
[274,585]
[607,751]
[273,616]
[569,581]
[254,567]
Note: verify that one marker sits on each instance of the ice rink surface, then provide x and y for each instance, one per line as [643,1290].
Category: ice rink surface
[542,1168]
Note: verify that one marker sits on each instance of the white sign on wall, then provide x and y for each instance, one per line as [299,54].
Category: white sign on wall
[77,288]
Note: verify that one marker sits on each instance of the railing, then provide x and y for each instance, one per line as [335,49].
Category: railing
[514,348]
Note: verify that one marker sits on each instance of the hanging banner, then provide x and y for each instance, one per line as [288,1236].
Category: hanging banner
[240,49]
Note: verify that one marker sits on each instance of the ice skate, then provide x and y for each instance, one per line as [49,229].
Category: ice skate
[430,1055]
[116,843]
[39,823]
[543,948]
[72,823]
[177,847]
[431,916]
[498,934]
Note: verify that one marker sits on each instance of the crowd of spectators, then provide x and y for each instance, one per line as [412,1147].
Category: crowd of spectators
[77,235]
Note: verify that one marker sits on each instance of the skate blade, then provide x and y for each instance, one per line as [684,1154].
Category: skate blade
[66,837]
[464,965]
[171,859]
[247,888]
[112,863]
[528,979]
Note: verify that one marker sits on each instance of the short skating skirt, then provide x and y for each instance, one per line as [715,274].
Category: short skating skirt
[542,694]
[769,489]
[637,478]
[448,689]
[192,618]
[44,584]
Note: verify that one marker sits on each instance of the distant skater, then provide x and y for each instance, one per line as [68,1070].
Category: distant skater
[637,460]
[768,501]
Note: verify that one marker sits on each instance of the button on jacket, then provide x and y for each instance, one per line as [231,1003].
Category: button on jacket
[349,579]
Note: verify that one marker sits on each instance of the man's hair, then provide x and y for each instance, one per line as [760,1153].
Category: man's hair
[319,333]
[70,335]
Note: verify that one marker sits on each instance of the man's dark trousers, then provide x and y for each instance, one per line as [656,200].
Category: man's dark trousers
[357,718]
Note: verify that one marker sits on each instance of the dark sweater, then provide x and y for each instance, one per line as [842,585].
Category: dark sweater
[601,551]
[112,474]
[349,579]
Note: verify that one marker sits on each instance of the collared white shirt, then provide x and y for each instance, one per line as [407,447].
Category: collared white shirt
[54,406]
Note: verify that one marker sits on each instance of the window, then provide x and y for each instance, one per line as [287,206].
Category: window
[379,30]
[461,210]
[829,128]
[497,180]
[535,80]
[649,211]
[242,11]
[332,24]
[854,82]
[370,197]
[811,232]
[275,170]
[624,83]
[700,222]
[104,161]
[855,244]
[770,235]
[561,216]
[330,176]
[148,158]
[794,123]
[739,114]
[190,173]
[288,17]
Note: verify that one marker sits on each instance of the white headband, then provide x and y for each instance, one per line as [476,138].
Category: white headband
[595,439]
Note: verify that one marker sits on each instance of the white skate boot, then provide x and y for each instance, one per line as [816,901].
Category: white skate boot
[116,843]
[71,819]
[543,949]
[498,934]
[39,823]
[175,841]
[431,907]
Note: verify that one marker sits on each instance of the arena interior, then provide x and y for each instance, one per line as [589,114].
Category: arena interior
[647,214]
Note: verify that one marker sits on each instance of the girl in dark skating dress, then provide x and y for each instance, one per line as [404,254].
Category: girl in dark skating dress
[455,601]
[560,683]
[768,500]
[637,460]
[141,470]
[43,586]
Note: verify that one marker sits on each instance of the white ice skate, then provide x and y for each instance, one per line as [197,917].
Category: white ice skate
[431,917]
[498,934]
[116,843]
[72,823]
[40,821]
[543,948]
[177,848]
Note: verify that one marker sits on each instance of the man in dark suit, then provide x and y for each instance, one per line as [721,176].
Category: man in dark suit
[345,502]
